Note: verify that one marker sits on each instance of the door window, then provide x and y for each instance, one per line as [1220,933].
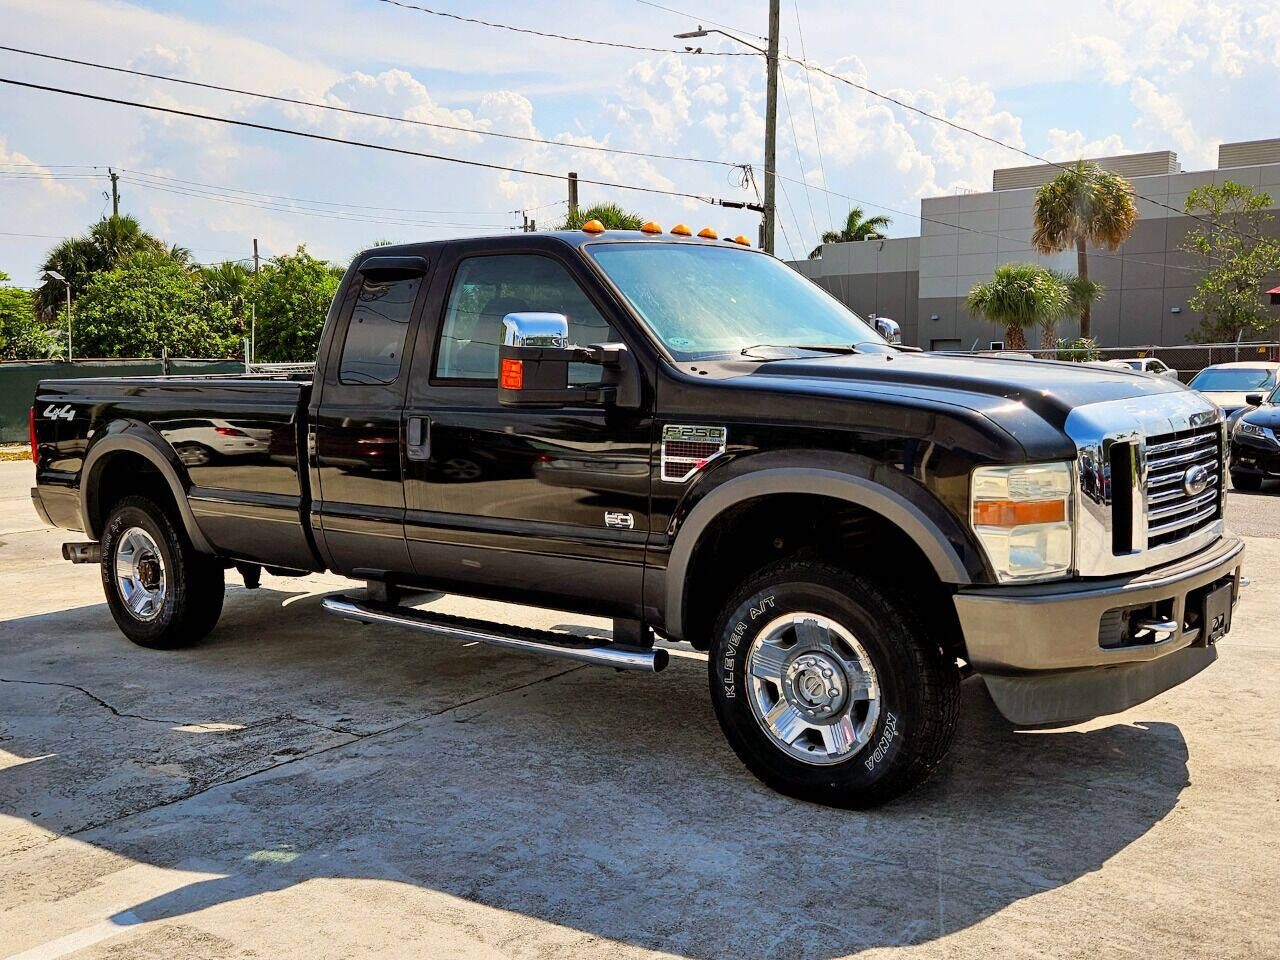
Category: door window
[486,289]
[375,336]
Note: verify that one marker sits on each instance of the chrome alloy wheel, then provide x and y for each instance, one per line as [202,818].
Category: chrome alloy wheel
[140,574]
[812,688]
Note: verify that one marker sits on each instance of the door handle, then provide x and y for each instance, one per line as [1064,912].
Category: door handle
[418,438]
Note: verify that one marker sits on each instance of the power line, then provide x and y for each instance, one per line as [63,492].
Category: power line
[700,19]
[326,138]
[330,203]
[791,119]
[295,101]
[938,118]
[817,137]
[807,65]
[254,193]
[557,36]
[318,214]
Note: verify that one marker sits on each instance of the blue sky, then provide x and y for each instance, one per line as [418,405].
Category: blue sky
[1063,80]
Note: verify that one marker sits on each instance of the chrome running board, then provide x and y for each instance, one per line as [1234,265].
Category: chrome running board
[563,645]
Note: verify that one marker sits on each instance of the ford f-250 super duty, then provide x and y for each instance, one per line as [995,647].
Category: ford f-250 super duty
[688,437]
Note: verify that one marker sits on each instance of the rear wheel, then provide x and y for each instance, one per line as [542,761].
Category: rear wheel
[829,688]
[161,591]
[1246,481]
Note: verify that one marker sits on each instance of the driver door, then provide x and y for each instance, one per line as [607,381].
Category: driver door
[534,505]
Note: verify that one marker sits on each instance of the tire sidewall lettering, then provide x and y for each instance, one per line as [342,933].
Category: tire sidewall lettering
[732,652]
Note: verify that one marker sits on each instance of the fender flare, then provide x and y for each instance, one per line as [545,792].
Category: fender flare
[876,497]
[142,440]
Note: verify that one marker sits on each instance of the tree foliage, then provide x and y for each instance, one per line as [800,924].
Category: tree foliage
[1229,294]
[611,215]
[292,295]
[1020,295]
[108,242]
[857,226]
[22,335]
[1083,205]
[148,303]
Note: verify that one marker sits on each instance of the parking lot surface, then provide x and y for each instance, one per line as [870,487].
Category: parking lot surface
[299,786]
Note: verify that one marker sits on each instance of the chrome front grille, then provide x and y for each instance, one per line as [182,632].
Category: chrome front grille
[1135,509]
[1173,510]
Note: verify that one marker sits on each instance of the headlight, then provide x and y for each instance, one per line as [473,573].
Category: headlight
[1022,516]
[1249,429]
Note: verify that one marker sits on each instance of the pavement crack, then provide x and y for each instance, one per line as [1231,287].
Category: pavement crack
[234,776]
[95,698]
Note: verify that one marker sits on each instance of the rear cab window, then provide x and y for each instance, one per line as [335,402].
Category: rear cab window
[373,350]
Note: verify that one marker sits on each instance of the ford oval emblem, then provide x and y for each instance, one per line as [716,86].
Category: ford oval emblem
[1196,479]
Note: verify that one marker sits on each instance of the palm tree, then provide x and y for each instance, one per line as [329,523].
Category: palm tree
[1083,205]
[610,214]
[108,242]
[1019,295]
[857,226]
[1082,293]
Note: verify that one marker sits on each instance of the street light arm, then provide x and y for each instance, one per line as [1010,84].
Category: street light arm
[704,31]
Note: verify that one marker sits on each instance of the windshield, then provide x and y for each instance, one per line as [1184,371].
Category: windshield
[704,301]
[1234,379]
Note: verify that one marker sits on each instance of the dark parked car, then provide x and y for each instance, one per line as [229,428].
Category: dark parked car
[690,438]
[1255,442]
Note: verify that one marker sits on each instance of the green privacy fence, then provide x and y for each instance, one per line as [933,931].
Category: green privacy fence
[18,379]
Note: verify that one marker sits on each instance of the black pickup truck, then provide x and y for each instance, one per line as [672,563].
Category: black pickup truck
[685,436]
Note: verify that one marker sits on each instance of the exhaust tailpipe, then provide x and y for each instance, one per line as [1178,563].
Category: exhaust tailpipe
[82,552]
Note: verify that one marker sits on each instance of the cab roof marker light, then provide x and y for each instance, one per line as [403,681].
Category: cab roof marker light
[742,240]
[680,230]
[651,227]
[593,226]
[706,233]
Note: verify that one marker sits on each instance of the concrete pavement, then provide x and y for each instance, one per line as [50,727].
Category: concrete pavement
[298,786]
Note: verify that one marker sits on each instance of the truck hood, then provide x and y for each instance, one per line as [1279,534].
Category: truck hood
[1048,388]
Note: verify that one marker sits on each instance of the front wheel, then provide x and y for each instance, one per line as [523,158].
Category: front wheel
[162,592]
[829,688]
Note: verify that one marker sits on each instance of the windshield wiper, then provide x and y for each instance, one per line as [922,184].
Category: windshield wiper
[817,347]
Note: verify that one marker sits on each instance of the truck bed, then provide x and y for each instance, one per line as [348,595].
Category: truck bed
[234,442]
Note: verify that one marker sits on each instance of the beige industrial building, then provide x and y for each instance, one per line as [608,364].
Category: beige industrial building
[922,281]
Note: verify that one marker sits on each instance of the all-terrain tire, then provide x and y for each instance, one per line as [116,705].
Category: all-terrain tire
[917,684]
[188,585]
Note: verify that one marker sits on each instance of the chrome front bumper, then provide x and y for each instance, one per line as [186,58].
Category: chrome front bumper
[1040,648]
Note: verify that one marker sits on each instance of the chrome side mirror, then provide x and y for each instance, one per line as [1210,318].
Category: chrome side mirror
[535,330]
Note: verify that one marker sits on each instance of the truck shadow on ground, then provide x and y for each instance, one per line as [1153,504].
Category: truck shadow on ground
[606,803]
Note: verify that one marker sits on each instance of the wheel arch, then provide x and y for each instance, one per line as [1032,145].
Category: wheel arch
[829,482]
[116,451]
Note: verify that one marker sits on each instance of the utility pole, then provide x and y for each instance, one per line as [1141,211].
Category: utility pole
[770,129]
[255,256]
[770,216]
[115,192]
[573,195]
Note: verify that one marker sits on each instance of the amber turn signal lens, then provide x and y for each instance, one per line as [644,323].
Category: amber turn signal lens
[651,227]
[706,233]
[511,376]
[680,230]
[1016,513]
[593,226]
[742,240]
